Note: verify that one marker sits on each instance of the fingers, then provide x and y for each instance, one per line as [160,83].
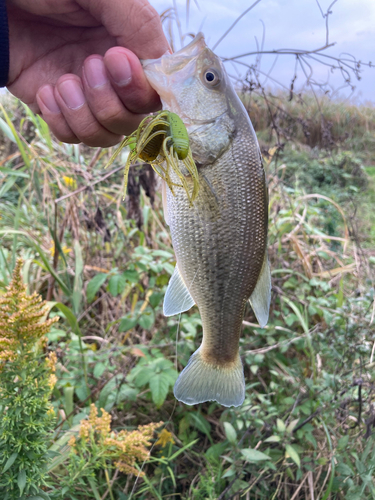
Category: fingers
[74,122]
[109,101]
[129,81]
[51,113]
[134,24]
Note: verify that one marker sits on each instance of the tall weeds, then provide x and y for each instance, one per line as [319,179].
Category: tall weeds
[305,429]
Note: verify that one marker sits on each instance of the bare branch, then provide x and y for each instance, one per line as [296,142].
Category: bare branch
[235,22]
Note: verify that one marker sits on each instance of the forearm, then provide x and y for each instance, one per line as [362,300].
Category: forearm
[4,45]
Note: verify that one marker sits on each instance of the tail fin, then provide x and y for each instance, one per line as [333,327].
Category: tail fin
[200,382]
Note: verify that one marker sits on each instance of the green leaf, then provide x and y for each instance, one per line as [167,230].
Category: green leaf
[213,453]
[171,374]
[254,455]
[229,472]
[109,392]
[131,276]
[17,173]
[293,454]
[127,324]
[116,284]
[144,376]
[343,442]
[77,288]
[201,424]
[23,148]
[94,285]
[298,313]
[68,403]
[273,439]
[181,450]
[147,319]
[280,425]
[126,393]
[99,370]
[69,315]
[10,461]
[21,481]
[42,255]
[155,299]
[159,385]
[81,392]
[292,425]
[94,488]
[344,469]
[6,130]
[230,432]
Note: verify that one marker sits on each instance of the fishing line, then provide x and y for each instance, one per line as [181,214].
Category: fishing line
[175,402]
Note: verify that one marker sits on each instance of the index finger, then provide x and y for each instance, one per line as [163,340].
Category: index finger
[135,24]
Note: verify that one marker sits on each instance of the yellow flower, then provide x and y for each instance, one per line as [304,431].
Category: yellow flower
[72,443]
[84,429]
[64,248]
[20,316]
[51,411]
[165,437]
[70,182]
[52,380]
[124,448]
[51,361]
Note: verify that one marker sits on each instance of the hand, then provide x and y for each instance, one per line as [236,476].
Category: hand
[76,62]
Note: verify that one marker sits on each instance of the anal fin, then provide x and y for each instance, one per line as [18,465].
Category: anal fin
[177,297]
[261,297]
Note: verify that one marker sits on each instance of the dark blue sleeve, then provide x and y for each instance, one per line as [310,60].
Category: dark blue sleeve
[4,44]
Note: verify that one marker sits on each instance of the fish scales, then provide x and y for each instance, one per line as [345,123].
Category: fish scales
[217,257]
[220,241]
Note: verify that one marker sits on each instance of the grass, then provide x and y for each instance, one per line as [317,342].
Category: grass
[305,428]
[313,121]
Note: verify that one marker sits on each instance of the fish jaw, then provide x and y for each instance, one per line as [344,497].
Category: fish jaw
[178,79]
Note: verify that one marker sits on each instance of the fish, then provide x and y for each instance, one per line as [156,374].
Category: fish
[220,240]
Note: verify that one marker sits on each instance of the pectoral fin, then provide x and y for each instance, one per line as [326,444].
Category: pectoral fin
[261,297]
[177,297]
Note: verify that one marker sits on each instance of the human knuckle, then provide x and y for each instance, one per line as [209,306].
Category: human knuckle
[110,116]
[67,137]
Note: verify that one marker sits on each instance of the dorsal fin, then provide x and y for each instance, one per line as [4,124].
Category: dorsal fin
[261,297]
[177,297]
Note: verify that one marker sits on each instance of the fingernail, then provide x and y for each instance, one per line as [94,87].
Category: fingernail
[47,97]
[72,94]
[95,73]
[119,68]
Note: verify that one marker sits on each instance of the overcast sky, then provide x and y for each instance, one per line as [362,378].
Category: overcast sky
[288,24]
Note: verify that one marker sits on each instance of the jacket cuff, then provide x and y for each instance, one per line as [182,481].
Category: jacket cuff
[4,44]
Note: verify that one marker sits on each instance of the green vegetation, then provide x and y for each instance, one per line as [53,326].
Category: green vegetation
[305,430]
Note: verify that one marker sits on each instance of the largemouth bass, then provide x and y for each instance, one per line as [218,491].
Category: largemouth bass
[220,241]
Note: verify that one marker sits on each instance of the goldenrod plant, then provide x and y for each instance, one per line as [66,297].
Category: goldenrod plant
[26,382]
[97,447]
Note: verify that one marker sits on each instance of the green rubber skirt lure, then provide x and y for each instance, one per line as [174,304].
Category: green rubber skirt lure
[162,141]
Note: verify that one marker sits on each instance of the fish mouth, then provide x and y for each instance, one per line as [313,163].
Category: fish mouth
[177,60]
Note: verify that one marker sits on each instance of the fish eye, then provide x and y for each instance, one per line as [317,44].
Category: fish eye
[211,77]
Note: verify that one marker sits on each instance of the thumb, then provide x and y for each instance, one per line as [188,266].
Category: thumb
[135,25]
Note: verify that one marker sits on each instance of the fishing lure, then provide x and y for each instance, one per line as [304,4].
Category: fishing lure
[162,138]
